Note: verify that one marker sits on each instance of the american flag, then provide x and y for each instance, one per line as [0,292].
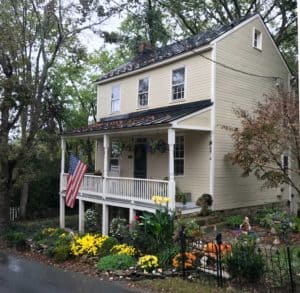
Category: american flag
[75,176]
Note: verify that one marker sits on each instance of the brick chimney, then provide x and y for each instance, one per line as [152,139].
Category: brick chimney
[144,48]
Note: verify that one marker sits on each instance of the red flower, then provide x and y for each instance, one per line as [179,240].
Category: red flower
[137,218]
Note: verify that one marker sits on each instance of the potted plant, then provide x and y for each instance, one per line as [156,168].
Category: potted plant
[205,202]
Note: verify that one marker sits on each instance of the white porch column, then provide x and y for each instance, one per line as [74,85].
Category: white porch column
[132,214]
[61,211]
[105,219]
[106,164]
[81,216]
[171,142]
[106,148]
[61,198]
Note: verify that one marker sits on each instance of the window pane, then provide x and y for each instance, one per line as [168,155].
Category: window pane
[115,98]
[115,95]
[178,76]
[143,99]
[143,92]
[143,85]
[115,105]
[179,155]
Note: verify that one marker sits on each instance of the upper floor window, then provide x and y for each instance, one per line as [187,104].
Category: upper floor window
[143,92]
[178,83]
[115,98]
[257,39]
[179,156]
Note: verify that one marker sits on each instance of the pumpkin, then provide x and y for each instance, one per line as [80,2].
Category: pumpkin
[189,260]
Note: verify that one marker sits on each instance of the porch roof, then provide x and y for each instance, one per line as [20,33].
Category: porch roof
[151,117]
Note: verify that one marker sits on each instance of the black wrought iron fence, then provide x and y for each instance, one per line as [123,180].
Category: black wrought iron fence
[266,268]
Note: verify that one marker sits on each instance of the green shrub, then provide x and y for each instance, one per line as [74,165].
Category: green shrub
[15,239]
[245,262]
[91,220]
[119,229]
[116,262]
[166,256]
[61,252]
[107,245]
[234,221]
[153,231]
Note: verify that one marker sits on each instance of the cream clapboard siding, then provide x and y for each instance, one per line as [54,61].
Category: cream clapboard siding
[196,164]
[197,153]
[200,120]
[234,89]
[197,86]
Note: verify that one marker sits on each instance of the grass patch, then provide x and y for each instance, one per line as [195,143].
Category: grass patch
[177,285]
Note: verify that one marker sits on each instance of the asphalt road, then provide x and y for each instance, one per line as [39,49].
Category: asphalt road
[24,276]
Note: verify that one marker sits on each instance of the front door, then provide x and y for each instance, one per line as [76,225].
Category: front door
[140,161]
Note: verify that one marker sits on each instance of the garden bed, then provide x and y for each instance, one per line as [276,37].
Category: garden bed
[157,247]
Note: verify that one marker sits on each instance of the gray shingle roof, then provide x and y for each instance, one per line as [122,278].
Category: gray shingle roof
[151,117]
[163,53]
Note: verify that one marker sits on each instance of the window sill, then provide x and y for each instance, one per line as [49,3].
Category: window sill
[142,108]
[177,101]
[256,48]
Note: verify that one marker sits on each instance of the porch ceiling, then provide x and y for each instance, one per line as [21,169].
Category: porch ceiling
[141,119]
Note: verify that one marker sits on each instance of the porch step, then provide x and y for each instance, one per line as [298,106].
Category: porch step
[188,208]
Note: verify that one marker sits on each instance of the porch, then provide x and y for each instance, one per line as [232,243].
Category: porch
[131,178]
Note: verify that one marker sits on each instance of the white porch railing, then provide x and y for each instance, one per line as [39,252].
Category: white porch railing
[125,188]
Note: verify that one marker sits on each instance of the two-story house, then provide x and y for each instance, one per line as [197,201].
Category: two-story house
[160,117]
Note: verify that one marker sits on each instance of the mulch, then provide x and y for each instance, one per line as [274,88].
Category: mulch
[87,269]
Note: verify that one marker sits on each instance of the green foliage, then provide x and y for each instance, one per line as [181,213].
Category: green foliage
[61,252]
[119,229]
[234,221]
[192,228]
[90,220]
[281,221]
[15,239]
[154,231]
[180,197]
[116,262]
[107,245]
[166,255]
[245,262]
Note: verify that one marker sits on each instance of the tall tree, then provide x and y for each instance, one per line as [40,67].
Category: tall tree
[33,33]
[194,16]
[144,23]
[267,144]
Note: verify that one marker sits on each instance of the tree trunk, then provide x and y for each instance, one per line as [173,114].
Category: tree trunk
[24,200]
[4,172]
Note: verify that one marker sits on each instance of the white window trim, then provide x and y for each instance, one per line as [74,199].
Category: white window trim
[139,107]
[259,44]
[171,101]
[184,152]
[111,111]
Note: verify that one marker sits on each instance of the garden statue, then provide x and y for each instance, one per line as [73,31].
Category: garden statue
[245,226]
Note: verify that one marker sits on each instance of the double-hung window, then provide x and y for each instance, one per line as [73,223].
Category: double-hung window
[115,98]
[143,92]
[178,76]
[257,39]
[179,156]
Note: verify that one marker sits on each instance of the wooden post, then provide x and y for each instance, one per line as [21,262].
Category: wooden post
[81,216]
[106,163]
[131,215]
[106,148]
[61,197]
[171,142]
[61,211]
[105,219]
